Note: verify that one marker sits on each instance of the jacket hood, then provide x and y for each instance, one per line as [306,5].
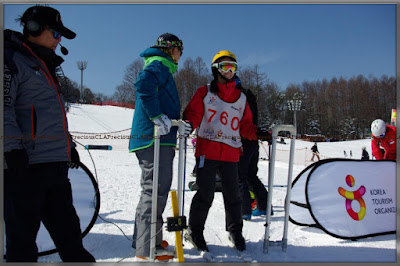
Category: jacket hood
[154,54]
[15,40]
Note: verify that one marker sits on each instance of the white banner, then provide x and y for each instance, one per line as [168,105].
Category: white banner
[86,202]
[299,210]
[347,198]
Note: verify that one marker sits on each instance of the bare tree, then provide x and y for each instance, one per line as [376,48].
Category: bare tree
[256,81]
[190,76]
[124,93]
[131,73]
[88,96]
[100,97]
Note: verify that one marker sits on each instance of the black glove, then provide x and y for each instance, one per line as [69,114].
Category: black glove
[17,162]
[264,135]
[74,163]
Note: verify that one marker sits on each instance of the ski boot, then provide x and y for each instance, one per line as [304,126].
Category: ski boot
[198,240]
[246,217]
[237,239]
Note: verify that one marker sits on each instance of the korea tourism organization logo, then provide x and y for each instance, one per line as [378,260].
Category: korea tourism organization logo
[354,195]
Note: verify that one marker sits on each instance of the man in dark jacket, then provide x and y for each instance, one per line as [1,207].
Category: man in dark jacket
[38,148]
[315,152]
[248,168]
[365,154]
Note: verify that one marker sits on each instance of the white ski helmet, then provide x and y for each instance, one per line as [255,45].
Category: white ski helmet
[378,128]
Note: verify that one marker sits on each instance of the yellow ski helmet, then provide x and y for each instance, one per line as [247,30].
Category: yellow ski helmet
[223,53]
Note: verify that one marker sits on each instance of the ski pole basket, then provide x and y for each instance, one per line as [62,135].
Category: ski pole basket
[271,172]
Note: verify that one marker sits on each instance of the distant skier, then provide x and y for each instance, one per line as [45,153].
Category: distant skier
[345,154]
[315,152]
[365,154]
[383,136]
[351,154]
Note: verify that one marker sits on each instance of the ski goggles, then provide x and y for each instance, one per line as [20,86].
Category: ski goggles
[180,48]
[225,66]
[168,44]
[56,34]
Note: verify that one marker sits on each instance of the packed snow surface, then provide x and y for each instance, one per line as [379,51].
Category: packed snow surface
[118,175]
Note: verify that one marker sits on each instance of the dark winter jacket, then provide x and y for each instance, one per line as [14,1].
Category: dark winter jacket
[34,114]
[156,94]
[365,155]
[252,101]
[314,148]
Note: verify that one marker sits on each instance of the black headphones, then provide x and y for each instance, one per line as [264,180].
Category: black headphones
[31,26]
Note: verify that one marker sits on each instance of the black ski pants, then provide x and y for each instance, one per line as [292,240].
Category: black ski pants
[43,194]
[204,196]
[248,179]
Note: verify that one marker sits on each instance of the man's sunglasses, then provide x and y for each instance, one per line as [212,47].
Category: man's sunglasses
[225,66]
[56,34]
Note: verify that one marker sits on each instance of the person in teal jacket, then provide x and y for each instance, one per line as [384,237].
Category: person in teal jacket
[157,102]
[156,95]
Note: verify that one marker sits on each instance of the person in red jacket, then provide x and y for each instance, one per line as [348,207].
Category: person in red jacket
[383,136]
[220,113]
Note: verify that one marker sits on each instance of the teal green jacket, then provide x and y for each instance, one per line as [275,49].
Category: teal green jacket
[156,94]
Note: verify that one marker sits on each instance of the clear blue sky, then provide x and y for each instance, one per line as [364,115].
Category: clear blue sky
[290,43]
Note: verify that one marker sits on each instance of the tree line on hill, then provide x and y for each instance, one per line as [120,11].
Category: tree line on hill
[338,108]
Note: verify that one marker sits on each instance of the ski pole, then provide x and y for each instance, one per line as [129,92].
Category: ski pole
[153,229]
[179,205]
[184,181]
[181,164]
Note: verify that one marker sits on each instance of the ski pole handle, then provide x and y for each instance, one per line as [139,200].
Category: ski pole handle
[180,124]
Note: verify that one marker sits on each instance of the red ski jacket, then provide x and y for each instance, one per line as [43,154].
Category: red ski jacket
[388,143]
[213,150]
